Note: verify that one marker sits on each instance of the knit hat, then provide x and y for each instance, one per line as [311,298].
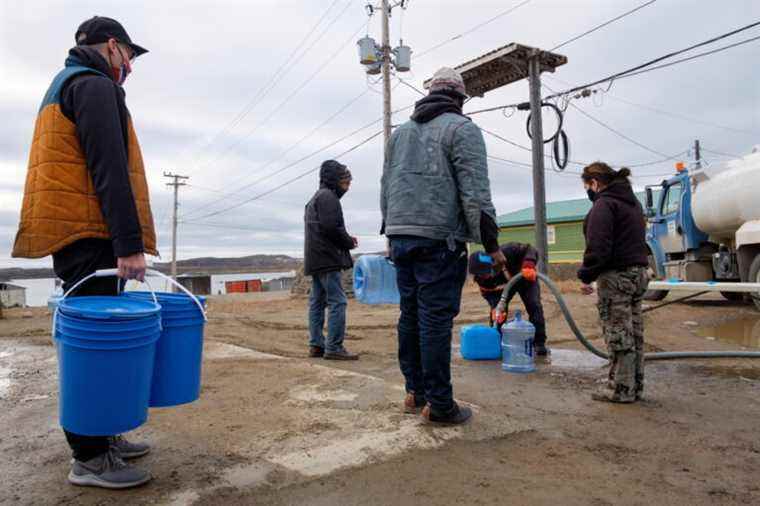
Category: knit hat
[481,264]
[448,79]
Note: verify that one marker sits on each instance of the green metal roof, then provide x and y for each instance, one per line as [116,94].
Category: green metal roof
[564,211]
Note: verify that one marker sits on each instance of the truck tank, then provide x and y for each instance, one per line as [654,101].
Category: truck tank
[723,202]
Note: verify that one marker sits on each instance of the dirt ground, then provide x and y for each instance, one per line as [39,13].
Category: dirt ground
[273,427]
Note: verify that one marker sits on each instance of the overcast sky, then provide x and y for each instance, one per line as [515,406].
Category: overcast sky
[208,61]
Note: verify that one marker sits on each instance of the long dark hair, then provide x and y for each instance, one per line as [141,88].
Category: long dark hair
[604,173]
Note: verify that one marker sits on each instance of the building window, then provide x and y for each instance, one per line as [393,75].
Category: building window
[551,235]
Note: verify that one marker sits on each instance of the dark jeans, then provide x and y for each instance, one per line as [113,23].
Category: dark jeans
[430,280]
[327,292]
[530,293]
[71,264]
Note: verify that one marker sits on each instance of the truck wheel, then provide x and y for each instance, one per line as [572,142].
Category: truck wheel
[654,294]
[754,277]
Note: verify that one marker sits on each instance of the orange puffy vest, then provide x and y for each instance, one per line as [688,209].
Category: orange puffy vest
[60,204]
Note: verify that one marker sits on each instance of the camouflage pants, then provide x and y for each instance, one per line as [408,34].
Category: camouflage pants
[620,295]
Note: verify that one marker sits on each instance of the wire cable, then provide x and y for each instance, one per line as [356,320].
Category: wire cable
[471,30]
[289,181]
[316,129]
[637,69]
[251,104]
[598,27]
[286,101]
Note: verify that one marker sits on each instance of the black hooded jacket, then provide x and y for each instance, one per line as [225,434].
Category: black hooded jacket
[96,105]
[615,231]
[326,242]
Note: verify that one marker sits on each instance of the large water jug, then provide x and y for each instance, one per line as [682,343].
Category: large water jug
[375,280]
[517,345]
[479,342]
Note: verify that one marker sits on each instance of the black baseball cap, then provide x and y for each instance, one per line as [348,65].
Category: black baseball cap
[99,29]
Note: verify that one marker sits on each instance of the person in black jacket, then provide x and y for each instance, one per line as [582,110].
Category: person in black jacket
[326,254]
[616,258]
[521,258]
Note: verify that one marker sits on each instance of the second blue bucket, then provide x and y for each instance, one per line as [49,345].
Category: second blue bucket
[179,352]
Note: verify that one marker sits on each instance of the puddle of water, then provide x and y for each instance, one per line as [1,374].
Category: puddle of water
[744,332]
[573,359]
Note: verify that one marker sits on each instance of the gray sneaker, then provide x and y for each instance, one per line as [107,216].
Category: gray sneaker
[107,471]
[129,450]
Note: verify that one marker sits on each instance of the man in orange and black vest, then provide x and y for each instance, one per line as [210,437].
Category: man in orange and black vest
[86,203]
[521,258]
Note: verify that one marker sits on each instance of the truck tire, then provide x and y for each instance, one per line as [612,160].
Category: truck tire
[654,295]
[754,277]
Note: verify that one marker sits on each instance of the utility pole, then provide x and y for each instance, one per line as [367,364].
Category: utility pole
[386,52]
[697,154]
[539,185]
[378,59]
[176,184]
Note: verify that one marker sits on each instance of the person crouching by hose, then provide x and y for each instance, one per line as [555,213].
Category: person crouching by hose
[521,258]
[616,258]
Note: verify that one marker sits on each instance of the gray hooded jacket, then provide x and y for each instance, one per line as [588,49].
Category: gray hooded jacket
[435,180]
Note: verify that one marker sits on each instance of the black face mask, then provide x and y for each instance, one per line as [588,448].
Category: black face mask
[591,194]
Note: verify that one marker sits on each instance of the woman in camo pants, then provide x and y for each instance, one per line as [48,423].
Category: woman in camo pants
[616,258]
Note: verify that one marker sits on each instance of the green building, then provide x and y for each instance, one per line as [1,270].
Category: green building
[565,228]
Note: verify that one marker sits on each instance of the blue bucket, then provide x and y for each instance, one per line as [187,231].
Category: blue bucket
[106,350]
[179,353]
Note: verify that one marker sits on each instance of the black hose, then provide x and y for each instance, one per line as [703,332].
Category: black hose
[670,355]
[559,140]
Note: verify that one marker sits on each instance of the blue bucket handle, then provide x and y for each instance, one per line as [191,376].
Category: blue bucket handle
[112,272]
[99,274]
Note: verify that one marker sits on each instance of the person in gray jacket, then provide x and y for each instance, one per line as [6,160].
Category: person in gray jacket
[435,198]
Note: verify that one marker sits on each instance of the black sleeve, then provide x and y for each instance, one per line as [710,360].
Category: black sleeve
[599,239]
[489,232]
[93,103]
[331,221]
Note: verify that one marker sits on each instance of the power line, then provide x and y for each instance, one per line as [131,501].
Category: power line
[598,27]
[694,57]
[719,153]
[280,156]
[633,70]
[287,100]
[677,115]
[471,30]
[251,104]
[289,181]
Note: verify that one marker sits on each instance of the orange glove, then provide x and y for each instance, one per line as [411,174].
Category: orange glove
[529,271]
[498,319]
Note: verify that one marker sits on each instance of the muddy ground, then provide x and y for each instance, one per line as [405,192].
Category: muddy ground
[274,427]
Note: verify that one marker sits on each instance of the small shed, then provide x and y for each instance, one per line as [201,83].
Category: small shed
[198,284]
[12,295]
[279,284]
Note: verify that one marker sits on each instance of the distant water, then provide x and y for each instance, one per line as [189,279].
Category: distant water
[39,290]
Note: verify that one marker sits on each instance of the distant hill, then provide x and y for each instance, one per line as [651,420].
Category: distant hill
[253,263]
[208,265]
